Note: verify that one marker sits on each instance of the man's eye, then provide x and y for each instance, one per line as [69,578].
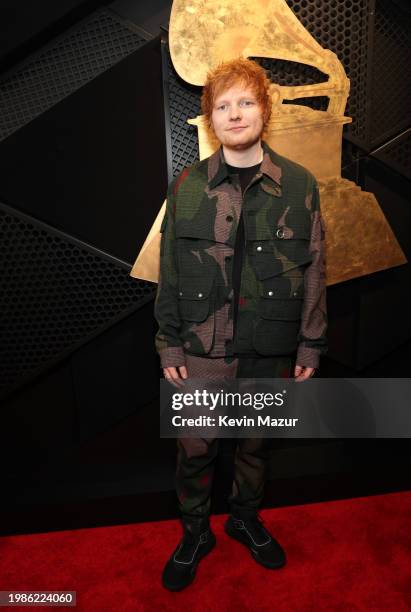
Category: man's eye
[222,107]
[246,103]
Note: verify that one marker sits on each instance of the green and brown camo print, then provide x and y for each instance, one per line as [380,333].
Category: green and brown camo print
[282,303]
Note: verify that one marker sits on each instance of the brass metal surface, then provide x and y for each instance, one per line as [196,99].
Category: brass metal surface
[205,32]
[359,240]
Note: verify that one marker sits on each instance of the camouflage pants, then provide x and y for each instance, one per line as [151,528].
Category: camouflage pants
[196,457]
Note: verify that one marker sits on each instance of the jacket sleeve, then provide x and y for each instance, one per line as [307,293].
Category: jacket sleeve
[167,340]
[312,341]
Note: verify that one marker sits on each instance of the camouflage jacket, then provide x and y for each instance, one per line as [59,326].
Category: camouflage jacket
[282,303]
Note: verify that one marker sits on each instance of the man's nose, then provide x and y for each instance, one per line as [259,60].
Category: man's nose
[235,112]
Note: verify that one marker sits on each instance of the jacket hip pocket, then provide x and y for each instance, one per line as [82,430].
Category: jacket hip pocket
[196,310]
[277,325]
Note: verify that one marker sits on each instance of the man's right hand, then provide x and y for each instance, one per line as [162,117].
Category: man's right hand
[175,375]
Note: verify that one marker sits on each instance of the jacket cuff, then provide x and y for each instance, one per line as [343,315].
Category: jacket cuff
[308,357]
[172,357]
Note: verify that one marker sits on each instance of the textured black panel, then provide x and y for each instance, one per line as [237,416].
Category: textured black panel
[55,294]
[391,73]
[86,165]
[182,103]
[397,154]
[65,65]
[342,27]
[291,74]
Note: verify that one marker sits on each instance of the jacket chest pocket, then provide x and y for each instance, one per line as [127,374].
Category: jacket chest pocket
[193,248]
[293,245]
[193,256]
[196,310]
[282,252]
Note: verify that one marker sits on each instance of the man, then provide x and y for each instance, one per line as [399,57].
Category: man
[241,289]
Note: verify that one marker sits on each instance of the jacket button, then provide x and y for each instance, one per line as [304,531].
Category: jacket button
[271,293]
[181,293]
[259,248]
[200,295]
[280,233]
[229,218]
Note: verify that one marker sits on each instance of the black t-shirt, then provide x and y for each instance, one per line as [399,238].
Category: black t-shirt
[245,175]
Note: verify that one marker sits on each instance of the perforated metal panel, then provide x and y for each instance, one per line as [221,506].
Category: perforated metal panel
[291,74]
[182,102]
[55,294]
[390,94]
[342,27]
[397,154]
[64,66]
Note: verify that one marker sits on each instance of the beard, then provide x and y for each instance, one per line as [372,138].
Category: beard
[236,143]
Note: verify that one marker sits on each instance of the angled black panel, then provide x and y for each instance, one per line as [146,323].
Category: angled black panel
[342,27]
[390,93]
[70,61]
[56,293]
[182,102]
[94,165]
[397,154]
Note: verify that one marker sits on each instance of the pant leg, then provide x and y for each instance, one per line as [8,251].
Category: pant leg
[252,454]
[196,456]
[194,476]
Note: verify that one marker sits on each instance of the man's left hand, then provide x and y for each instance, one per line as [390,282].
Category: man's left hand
[302,373]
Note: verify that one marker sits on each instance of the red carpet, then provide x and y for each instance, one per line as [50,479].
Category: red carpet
[345,555]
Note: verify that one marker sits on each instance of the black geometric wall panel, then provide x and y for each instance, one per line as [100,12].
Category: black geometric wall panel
[372,39]
[181,102]
[291,74]
[390,66]
[56,293]
[342,27]
[88,166]
[397,154]
[63,66]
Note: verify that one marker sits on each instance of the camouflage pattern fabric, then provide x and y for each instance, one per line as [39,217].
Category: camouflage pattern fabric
[282,304]
[196,457]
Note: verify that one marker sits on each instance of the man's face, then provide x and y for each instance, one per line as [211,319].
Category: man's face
[237,118]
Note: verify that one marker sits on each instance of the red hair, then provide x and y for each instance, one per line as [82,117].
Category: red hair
[237,71]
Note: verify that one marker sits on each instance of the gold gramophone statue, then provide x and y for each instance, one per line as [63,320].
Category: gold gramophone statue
[204,33]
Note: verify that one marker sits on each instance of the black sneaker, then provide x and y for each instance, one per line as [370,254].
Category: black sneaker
[263,547]
[180,569]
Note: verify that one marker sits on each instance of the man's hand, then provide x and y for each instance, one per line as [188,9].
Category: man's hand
[302,373]
[175,375]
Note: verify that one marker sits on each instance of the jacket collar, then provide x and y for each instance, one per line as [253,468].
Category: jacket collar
[217,168]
